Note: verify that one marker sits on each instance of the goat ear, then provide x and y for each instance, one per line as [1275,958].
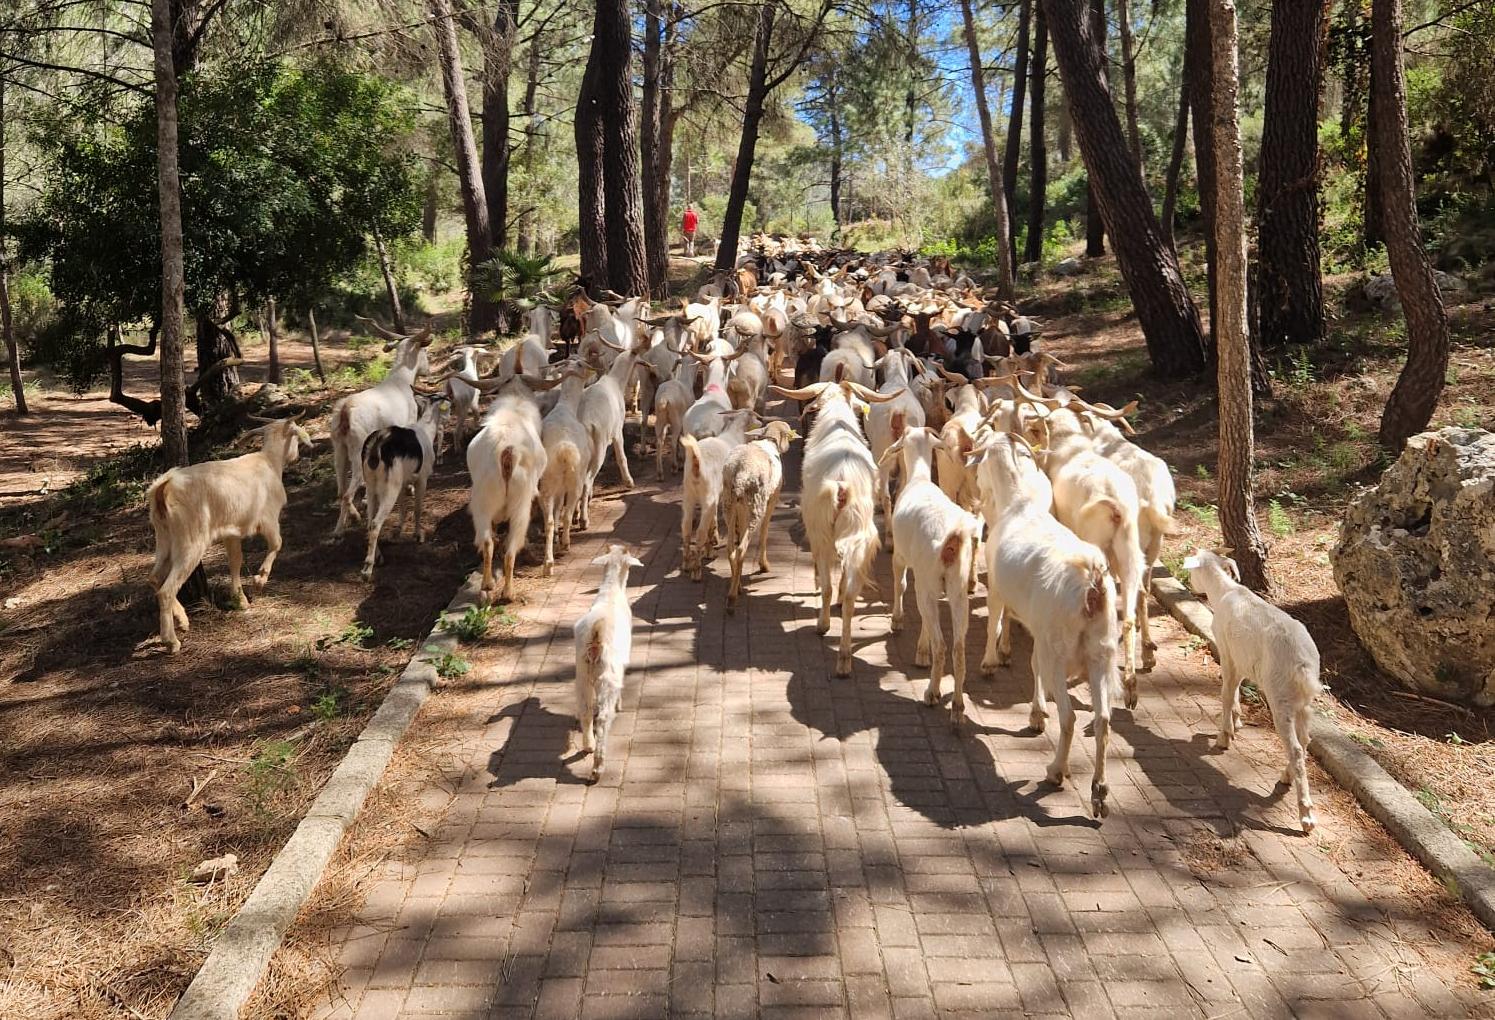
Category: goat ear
[634,561]
[602,560]
[1193,562]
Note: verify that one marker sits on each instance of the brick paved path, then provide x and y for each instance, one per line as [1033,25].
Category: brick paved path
[767,840]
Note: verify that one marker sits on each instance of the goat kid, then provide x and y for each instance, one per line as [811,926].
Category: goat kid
[1259,642]
[938,540]
[397,463]
[391,402]
[751,480]
[604,642]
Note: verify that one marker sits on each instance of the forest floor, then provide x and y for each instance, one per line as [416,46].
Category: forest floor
[105,740]
[122,768]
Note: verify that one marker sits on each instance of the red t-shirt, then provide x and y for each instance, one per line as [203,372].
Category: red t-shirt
[690,221]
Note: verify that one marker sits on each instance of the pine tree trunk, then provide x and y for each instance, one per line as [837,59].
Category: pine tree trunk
[7,327]
[833,112]
[1374,233]
[1164,309]
[215,343]
[498,49]
[1095,225]
[272,339]
[1200,75]
[1289,289]
[316,345]
[386,269]
[169,190]
[469,171]
[428,210]
[1237,441]
[1176,157]
[993,166]
[612,52]
[1129,81]
[1065,134]
[1415,396]
[591,207]
[747,144]
[1014,142]
[1038,153]
[656,229]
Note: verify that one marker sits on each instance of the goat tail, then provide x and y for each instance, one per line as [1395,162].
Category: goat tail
[342,423]
[898,424]
[158,498]
[692,456]
[857,542]
[1161,520]
[595,644]
[568,458]
[506,461]
[1100,594]
[953,547]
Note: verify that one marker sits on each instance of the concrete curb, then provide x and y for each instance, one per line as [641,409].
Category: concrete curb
[1415,827]
[242,952]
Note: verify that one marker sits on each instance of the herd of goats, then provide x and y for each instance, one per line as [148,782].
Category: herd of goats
[922,397]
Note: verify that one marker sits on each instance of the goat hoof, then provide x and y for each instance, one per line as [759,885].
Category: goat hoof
[931,696]
[895,624]
[843,669]
[546,569]
[172,647]
[988,667]
[822,628]
[921,658]
[1098,792]
[1131,700]
[957,718]
[1309,823]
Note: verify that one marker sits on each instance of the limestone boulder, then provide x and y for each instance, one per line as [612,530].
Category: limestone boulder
[1416,564]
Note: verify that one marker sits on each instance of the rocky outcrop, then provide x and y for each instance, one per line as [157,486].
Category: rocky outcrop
[1416,564]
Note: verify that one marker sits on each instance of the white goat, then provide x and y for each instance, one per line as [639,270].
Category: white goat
[749,376]
[604,642]
[1059,587]
[1155,492]
[1259,642]
[703,418]
[887,423]
[506,460]
[672,398]
[1098,501]
[464,398]
[751,480]
[602,412]
[397,463]
[837,500]
[956,437]
[568,452]
[705,462]
[391,402]
[938,540]
[223,501]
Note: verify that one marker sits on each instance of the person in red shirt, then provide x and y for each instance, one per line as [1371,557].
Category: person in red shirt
[688,226]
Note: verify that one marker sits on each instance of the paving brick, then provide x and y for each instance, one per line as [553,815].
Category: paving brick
[760,817]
